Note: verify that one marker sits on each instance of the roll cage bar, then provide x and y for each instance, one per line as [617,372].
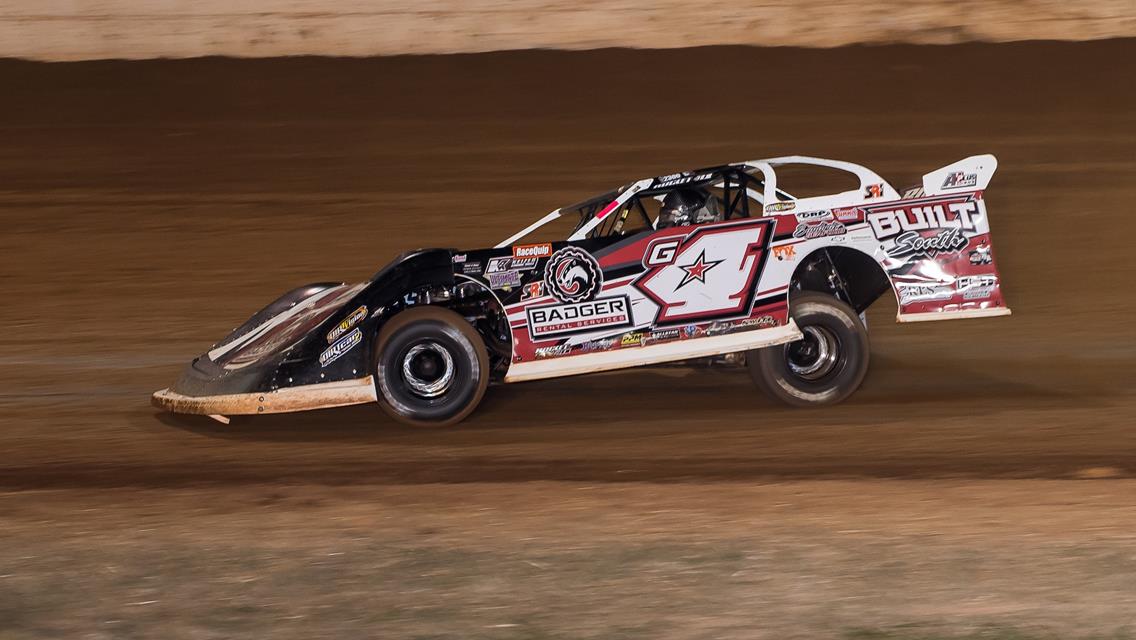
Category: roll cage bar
[745,186]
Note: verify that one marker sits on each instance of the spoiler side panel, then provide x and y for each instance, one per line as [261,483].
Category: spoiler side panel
[935,245]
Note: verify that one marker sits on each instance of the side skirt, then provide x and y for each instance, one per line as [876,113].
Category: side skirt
[303,398]
[952,315]
[652,354]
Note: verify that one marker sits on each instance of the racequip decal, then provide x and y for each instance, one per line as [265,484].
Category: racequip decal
[547,321]
[351,320]
[542,250]
[345,344]
[572,275]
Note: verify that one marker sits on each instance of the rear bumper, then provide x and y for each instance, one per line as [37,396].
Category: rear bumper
[303,398]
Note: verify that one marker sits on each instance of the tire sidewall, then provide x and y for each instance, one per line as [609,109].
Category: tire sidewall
[813,309]
[451,332]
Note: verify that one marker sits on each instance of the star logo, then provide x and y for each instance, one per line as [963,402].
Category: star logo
[697,270]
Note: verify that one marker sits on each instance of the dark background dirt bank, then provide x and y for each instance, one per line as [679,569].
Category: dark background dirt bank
[148,207]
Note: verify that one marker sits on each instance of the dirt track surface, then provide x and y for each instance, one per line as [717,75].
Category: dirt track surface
[147,208]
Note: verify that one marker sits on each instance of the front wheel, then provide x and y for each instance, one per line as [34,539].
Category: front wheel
[431,367]
[826,365]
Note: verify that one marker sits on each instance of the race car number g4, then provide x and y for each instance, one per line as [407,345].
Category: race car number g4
[707,273]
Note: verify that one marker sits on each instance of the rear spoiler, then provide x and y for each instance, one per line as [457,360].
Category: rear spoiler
[968,174]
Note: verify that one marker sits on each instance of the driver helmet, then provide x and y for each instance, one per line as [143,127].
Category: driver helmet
[688,206]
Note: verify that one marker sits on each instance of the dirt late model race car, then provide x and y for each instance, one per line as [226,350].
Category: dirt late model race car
[680,267]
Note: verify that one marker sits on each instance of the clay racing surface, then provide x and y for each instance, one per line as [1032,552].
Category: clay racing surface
[979,485]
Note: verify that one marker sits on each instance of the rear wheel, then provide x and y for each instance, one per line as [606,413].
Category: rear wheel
[431,367]
[826,365]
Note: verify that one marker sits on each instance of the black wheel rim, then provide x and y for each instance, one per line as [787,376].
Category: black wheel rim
[428,369]
[816,356]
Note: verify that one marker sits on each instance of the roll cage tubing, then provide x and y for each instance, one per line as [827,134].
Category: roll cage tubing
[592,215]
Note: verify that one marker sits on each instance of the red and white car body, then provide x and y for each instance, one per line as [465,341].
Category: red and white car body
[686,292]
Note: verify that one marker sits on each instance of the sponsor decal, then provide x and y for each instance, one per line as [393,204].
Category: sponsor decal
[599,345]
[960,180]
[572,275]
[914,192]
[472,268]
[631,340]
[546,321]
[553,351]
[460,258]
[847,214]
[981,255]
[542,250]
[662,335]
[691,331]
[913,244]
[873,191]
[532,290]
[975,287]
[909,293]
[354,318]
[760,321]
[813,215]
[907,226]
[719,328]
[497,265]
[504,279]
[787,252]
[822,230]
[777,207]
[345,344]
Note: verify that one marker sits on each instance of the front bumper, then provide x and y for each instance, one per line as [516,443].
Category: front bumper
[302,398]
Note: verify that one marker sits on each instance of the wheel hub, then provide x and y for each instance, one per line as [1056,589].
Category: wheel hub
[428,369]
[815,355]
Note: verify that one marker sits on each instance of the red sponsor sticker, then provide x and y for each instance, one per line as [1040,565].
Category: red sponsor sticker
[847,214]
[542,250]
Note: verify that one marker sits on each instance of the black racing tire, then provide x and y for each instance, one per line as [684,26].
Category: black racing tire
[431,367]
[823,368]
